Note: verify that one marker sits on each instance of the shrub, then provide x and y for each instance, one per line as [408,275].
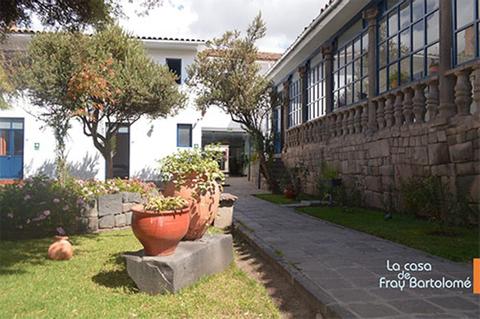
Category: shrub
[295,177]
[93,188]
[162,204]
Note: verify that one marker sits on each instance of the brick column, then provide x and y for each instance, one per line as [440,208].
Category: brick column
[302,72]
[446,83]
[371,16]
[284,115]
[327,52]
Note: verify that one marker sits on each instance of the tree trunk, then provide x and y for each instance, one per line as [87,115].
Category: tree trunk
[259,142]
[108,155]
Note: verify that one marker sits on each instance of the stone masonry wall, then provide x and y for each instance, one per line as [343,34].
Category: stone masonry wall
[108,212]
[378,162]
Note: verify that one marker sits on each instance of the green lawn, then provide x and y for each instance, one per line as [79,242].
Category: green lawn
[94,284]
[282,200]
[406,230]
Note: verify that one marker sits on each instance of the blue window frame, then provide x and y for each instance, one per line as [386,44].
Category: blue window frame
[350,66]
[408,49]
[184,135]
[316,91]
[295,104]
[11,148]
[466,24]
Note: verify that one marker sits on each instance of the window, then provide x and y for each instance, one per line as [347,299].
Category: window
[184,135]
[408,33]
[316,91]
[175,66]
[466,30]
[295,104]
[350,66]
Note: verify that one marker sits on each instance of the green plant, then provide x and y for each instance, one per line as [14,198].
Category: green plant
[163,204]
[328,171]
[92,188]
[201,165]
[325,182]
[295,177]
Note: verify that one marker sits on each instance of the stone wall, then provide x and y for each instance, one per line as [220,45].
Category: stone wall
[108,212]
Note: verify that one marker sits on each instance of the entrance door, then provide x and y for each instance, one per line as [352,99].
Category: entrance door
[11,148]
[276,131]
[121,157]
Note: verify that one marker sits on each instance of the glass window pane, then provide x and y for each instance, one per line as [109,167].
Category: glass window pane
[348,53]
[184,132]
[349,94]
[364,65]
[392,49]
[465,45]
[392,23]
[393,76]
[382,84]
[5,124]
[405,42]
[365,43]
[405,70]
[357,48]
[432,28]
[17,142]
[418,65]
[391,3]
[418,36]
[17,125]
[341,77]
[382,30]
[433,58]
[382,52]
[364,88]
[4,142]
[417,9]
[432,5]
[357,95]
[465,12]
[404,14]
[341,58]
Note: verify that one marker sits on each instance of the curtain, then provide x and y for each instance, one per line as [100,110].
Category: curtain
[3,143]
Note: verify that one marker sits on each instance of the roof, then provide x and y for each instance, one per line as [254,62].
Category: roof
[152,38]
[261,56]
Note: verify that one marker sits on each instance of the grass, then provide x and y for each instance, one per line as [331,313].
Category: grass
[94,284]
[405,229]
[282,200]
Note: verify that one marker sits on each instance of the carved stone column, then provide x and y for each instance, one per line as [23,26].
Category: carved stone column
[432,100]
[408,105]
[446,83]
[398,109]
[302,72]
[371,16]
[364,109]
[357,120]
[419,103]
[463,92]
[389,110]
[380,113]
[327,52]
[476,89]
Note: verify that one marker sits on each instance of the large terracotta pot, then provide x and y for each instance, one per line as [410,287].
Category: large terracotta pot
[159,232]
[61,249]
[203,207]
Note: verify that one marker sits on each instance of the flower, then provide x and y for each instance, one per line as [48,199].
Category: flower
[28,220]
[46,213]
[56,200]
[27,197]
[61,231]
[65,208]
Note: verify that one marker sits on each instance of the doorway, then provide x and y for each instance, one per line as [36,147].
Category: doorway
[11,148]
[121,155]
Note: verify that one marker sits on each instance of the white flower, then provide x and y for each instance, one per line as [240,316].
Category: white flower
[56,200]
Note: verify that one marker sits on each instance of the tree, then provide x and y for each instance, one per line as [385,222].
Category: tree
[105,80]
[228,76]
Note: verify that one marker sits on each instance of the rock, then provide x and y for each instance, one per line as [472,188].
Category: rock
[461,152]
[191,261]
[128,197]
[110,204]
[438,154]
[128,218]
[107,221]
[126,207]
[120,220]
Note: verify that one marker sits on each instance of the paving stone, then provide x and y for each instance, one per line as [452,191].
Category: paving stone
[413,306]
[352,295]
[454,303]
[373,310]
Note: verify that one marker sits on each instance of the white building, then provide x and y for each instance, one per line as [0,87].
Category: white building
[27,146]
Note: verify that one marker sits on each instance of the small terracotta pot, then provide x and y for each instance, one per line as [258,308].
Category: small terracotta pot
[61,249]
[203,208]
[159,232]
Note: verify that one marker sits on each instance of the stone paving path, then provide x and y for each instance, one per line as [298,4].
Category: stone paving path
[342,267]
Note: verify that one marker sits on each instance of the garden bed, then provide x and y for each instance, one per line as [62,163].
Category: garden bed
[95,284]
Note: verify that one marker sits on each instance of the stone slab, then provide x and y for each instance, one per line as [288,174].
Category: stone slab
[110,204]
[224,217]
[191,261]
[120,220]
[107,221]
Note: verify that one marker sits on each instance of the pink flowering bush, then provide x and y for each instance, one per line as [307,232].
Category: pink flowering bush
[39,206]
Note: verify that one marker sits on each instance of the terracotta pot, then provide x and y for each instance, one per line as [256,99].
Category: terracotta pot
[159,232]
[289,193]
[61,249]
[203,208]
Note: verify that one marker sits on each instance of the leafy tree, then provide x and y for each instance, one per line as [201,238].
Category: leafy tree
[105,80]
[228,76]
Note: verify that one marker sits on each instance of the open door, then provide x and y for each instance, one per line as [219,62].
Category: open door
[11,148]
[121,156]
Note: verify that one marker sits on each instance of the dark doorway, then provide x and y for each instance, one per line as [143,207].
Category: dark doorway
[121,156]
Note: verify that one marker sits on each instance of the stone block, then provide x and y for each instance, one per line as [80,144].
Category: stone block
[224,217]
[92,224]
[441,136]
[191,261]
[373,183]
[438,154]
[469,186]
[440,170]
[378,149]
[120,220]
[128,197]
[420,155]
[109,204]
[128,218]
[461,152]
[89,209]
[467,168]
[126,207]
[386,170]
[107,221]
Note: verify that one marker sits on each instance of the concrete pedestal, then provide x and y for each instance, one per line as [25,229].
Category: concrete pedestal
[191,261]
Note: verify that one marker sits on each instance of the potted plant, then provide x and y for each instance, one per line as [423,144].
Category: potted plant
[160,224]
[195,176]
